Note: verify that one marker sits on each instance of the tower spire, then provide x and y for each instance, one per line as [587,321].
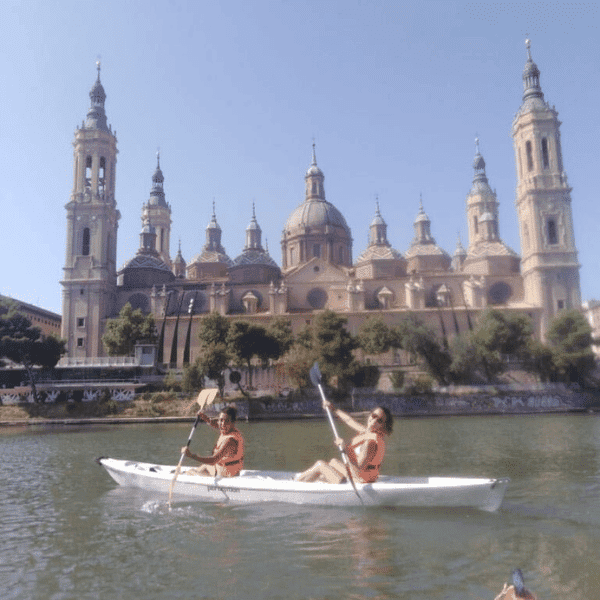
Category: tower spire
[531,77]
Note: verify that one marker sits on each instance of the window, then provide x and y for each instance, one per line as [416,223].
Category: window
[475,225]
[81,291]
[317,250]
[529,156]
[101,174]
[561,304]
[88,171]
[314,187]
[552,233]
[80,342]
[341,255]
[545,156]
[85,242]
[80,321]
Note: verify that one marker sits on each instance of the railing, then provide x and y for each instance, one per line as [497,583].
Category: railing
[99,361]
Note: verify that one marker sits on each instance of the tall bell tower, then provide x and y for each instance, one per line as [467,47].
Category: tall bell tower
[90,275]
[549,262]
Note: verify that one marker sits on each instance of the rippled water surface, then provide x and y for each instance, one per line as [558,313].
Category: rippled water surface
[68,532]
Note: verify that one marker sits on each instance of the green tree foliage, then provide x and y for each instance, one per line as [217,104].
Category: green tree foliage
[300,358]
[375,337]
[570,336]
[539,359]
[214,356]
[412,335]
[24,344]
[247,340]
[280,330]
[333,346]
[497,335]
[125,331]
[483,351]
[192,379]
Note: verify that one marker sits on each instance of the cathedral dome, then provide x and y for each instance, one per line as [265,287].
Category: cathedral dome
[316,213]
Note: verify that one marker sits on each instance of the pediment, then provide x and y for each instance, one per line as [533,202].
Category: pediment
[318,271]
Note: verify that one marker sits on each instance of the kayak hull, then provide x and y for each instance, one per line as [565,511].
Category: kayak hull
[278,486]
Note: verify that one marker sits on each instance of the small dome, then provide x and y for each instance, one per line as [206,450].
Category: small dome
[254,257]
[145,261]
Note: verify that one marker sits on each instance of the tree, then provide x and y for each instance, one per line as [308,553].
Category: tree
[570,336]
[280,330]
[246,341]
[333,346]
[125,331]
[496,336]
[415,337]
[214,356]
[375,337]
[24,344]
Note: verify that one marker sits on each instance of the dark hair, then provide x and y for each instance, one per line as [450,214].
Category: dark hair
[231,412]
[389,419]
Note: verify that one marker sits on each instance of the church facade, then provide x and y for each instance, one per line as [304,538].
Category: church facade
[318,270]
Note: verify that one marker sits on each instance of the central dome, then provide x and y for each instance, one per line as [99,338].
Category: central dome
[316,213]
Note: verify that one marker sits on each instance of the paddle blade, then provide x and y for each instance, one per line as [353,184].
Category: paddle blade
[315,375]
[206,397]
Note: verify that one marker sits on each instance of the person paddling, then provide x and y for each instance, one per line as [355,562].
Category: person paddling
[227,459]
[365,451]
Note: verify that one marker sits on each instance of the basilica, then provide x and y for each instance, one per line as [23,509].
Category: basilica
[445,290]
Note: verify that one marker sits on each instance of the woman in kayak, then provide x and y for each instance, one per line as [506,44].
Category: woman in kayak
[365,451]
[227,459]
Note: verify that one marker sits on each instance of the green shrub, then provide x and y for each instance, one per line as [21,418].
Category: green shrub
[397,379]
[420,384]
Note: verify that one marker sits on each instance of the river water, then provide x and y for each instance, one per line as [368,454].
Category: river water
[68,532]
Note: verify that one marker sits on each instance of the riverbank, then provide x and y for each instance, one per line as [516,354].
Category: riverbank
[170,407]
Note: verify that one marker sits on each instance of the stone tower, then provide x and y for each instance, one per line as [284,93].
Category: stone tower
[90,277]
[549,258]
[158,213]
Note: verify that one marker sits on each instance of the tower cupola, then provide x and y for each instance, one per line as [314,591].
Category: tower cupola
[157,193]
[531,77]
[96,116]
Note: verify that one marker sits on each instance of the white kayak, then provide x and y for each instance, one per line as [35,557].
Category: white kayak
[280,486]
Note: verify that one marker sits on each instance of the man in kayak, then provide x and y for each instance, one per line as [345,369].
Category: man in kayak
[227,459]
[365,452]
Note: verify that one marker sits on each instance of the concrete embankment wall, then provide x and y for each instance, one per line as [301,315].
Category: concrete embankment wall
[544,400]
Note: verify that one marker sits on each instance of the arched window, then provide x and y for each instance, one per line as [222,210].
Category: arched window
[101,175]
[552,232]
[475,225]
[545,155]
[88,171]
[317,250]
[85,241]
[529,153]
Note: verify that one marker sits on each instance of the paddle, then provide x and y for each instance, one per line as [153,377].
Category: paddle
[316,378]
[205,397]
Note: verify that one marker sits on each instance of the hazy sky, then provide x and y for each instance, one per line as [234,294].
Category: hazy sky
[233,93]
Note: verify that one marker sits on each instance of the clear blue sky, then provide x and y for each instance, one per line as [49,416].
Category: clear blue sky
[234,92]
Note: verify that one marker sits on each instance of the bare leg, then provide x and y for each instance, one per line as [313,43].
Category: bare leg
[204,470]
[322,471]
